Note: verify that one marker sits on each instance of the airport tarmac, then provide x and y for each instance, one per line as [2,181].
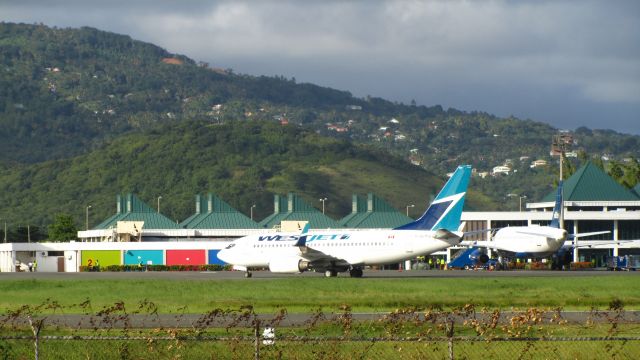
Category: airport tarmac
[262,275]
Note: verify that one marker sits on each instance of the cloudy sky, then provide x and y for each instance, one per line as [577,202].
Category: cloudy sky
[567,63]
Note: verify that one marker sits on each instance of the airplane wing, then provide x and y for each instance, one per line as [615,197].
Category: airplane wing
[481,244]
[315,256]
[475,232]
[596,244]
[579,235]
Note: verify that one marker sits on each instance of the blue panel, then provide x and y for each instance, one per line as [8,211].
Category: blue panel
[132,257]
[213,258]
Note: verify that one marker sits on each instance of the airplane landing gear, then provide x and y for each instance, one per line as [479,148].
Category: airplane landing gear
[248,274]
[330,273]
[355,272]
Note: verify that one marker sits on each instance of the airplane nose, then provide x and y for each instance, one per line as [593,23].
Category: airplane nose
[564,234]
[224,256]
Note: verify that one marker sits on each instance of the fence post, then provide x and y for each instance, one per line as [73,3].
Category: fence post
[256,334]
[450,336]
[36,326]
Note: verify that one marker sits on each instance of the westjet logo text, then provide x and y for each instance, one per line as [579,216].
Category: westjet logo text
[309,237]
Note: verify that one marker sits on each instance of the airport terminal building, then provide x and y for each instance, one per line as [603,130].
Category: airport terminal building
[137,233]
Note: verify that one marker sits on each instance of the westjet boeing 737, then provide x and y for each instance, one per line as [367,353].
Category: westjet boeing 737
[333,251]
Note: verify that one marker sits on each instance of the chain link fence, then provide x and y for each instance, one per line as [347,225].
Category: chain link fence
[51,331]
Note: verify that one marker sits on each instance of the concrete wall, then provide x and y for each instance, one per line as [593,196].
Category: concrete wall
[46,263]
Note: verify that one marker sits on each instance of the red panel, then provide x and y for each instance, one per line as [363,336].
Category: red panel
[186,257]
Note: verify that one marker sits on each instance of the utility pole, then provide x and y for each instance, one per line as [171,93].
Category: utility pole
[409,206]
[86,218]
[522,197]
[323,200]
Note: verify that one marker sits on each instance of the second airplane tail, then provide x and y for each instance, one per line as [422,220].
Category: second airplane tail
[446,209]
[557,209]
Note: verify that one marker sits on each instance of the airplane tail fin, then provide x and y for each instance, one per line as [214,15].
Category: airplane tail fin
[557,209]
[446,209]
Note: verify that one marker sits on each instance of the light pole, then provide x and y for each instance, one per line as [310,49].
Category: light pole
[86,217]
[251,210]
[522,197]
[512,195]
[159,197]
[323,200]
[409,206]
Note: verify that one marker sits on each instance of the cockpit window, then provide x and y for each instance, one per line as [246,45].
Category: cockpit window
[230,246]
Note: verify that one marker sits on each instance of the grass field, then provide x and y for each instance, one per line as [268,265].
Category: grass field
[307,294]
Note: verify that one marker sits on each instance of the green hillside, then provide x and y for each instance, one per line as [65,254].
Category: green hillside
[86,114]
[244,163]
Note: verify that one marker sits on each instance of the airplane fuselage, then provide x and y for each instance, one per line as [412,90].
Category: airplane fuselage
[366,247]
[528,241]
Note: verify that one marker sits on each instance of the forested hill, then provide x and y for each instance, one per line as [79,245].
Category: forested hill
[64,91]
[244,163]
[70,93]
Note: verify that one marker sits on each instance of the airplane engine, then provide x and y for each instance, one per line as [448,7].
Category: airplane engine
[288,265]
[483,258]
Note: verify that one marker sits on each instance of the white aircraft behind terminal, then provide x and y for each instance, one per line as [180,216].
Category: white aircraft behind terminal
[535,241]
[333,251]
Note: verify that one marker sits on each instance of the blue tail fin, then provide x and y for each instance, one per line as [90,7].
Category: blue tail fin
[557,209]
[446,209]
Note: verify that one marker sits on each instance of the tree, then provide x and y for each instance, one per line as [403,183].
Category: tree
[63,228]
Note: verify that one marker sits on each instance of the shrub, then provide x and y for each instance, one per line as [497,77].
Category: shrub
[119,268]
[580,265]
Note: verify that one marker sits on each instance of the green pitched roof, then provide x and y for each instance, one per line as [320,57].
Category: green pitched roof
[373,212]
[294,208]
[130,208]
[590,183]
[214,213]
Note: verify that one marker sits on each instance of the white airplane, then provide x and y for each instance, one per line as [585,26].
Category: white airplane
[336,250]
[535,241]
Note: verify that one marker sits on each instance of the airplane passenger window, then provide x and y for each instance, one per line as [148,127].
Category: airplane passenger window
[230,246]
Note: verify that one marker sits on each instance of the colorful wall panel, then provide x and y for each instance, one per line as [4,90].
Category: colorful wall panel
[186,257]
[106,257]
[213,258]
[132,257]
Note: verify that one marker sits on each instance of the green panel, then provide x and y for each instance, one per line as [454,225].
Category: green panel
[106,257]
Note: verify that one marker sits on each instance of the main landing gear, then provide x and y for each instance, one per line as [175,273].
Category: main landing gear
[248,274]
[355,272]
[330,273]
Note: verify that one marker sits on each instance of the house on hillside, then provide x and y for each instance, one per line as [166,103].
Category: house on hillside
[538,163]
[501,169]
